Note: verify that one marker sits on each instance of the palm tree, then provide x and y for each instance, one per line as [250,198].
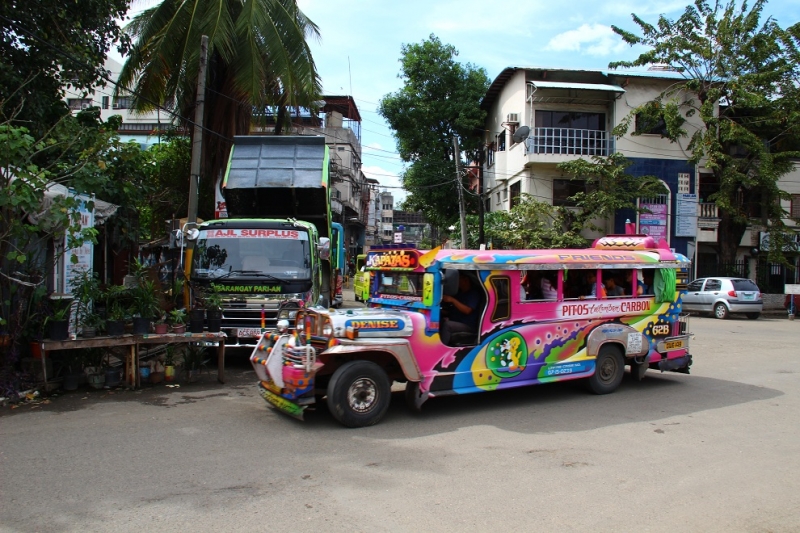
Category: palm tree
[258,57]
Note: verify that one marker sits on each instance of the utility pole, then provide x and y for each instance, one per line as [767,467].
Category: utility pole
[481,206]
[460,186]
[194,171]
[197,149]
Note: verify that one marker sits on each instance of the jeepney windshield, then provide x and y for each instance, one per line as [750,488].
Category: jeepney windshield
[400,285]
[251,253]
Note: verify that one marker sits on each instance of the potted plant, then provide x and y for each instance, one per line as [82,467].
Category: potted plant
[213,303]
[115,310]
[145,306]
[115,325]
[178,319]
[169,362]
[95,373]
[86,289]
[92,322]
[59,321]
[161,327]
[193,361]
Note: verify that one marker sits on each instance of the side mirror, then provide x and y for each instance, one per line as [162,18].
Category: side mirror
[324,248]
[450,282]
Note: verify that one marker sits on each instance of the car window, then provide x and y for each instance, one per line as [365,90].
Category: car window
[696,285]
[713,285]
[744,285]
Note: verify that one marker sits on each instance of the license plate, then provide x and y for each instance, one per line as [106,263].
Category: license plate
[249,332]
[673,345]
[749,297]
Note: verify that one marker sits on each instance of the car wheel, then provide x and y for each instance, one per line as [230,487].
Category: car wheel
[721,311]
[608,371]
[359,394]
[753,316]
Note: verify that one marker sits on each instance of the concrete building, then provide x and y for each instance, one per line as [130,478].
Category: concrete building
[387,217]
[142,128]
[539,117]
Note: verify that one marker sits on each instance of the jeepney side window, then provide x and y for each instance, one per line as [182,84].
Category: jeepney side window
[618,282]
[539,285]
[502,302]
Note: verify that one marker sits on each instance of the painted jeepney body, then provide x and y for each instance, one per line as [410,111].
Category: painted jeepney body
[519,341]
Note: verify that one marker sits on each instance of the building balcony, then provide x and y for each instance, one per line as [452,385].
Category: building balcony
[546,145]
[707,222]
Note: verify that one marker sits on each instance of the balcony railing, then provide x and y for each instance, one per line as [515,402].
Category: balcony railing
[708,210]
[567,141]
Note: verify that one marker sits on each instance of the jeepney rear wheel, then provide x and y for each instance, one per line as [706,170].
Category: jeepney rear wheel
[359,394]
[608,371]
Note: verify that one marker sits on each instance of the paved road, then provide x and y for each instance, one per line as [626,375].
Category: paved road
[718,450]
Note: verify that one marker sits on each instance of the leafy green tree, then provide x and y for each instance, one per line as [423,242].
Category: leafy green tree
[258,57]
[740,79]
[440,99]
[49,44]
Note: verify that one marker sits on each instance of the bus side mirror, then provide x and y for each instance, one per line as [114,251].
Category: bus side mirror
[324,248]
[450,285]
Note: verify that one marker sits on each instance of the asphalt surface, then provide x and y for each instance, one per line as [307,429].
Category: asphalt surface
[717,450]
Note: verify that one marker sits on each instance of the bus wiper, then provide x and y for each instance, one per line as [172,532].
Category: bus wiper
[255,273]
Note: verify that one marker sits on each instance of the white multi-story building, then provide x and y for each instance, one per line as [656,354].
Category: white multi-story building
[539,117]
[142,128]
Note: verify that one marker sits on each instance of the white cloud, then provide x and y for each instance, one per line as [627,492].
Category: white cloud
[592,39]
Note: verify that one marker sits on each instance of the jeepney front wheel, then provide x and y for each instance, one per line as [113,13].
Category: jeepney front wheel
[359,394]
[608,372]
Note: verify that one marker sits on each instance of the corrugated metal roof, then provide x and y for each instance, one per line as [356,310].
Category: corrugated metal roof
[580,86]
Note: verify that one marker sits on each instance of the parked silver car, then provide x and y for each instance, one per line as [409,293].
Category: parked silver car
[723,296]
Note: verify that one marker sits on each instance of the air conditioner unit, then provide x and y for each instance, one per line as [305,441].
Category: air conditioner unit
[513,118]
[85,106]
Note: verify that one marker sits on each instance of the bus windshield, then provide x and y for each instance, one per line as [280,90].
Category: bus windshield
[252,252]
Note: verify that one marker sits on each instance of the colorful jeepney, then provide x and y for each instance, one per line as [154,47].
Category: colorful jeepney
[613,305]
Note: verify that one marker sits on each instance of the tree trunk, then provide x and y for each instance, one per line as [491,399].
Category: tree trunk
[729,235]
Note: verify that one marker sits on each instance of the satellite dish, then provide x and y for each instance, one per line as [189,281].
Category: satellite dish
[521,134]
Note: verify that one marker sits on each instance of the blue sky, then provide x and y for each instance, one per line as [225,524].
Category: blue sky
[360,45]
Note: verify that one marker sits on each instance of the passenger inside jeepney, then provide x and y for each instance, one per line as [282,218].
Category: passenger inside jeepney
[530,287]
[611,286]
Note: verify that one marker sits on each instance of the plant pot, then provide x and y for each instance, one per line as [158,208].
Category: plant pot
[115,328]
[59,330]
[36,350]
[169,373]
[144,373]
[179,328]
[196,319]
[156,377]
[214,320]
[161,329]
[97,380]
[88,332]
[141,326]
[72,380]
[113,377]
[192,376]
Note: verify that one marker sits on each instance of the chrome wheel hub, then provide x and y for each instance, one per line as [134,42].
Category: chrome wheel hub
[362,395]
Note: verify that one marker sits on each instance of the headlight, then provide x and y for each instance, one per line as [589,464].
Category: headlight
[287,314]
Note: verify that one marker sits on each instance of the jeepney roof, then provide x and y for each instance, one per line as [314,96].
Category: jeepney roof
[586,258]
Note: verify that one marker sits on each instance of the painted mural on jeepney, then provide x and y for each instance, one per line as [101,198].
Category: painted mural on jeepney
[554,348]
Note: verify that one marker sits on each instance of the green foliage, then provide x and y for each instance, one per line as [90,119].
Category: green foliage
[257,57]
[49,44]
[440,99]
[194,356]
[740,79]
